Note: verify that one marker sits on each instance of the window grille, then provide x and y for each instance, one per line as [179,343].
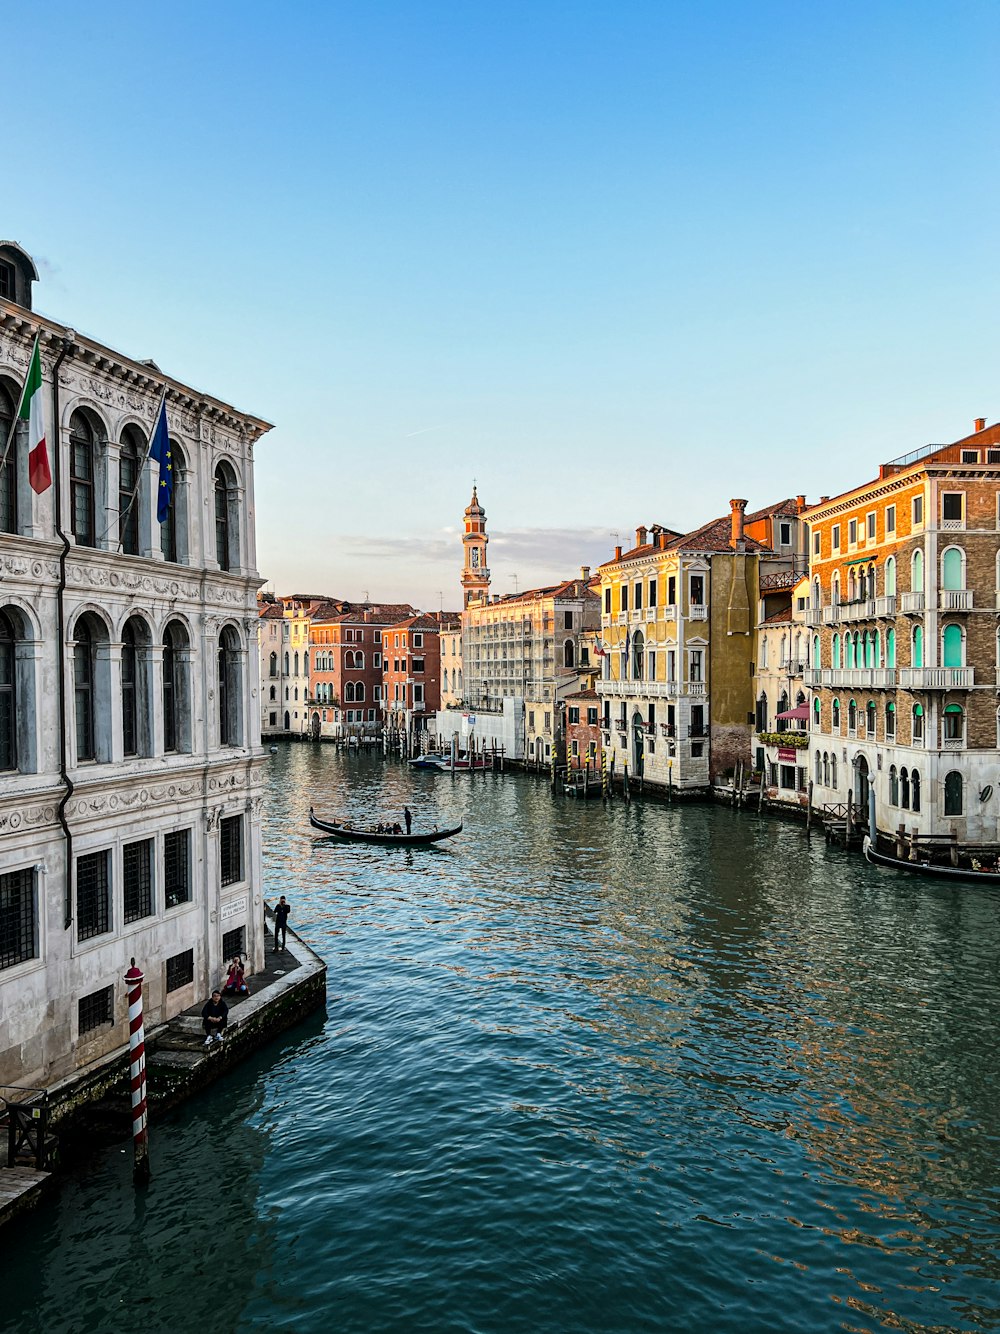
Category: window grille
[137,879]
[177,867]
[234,942]
[18,924]
[231,849]
[180,970]
[97,1009]
[93,895]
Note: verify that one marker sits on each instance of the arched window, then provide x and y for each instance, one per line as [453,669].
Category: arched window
[349,660]
[893,786]
[782,723]
[83,479]
[915,790]
[826,769]
[918,724]
[130,459]
[890,722]
[852,587]
[890,648]
[817,600]
[918,646]
[359,692]
[8,692]
[835,589]
[569,655]
[835,713]
[349,692]
[954,725]
[868,648]
[130,703]
[296,672]
[872,584]
[850,649]
[816,714]
[227,534]
[862,584]
[852,718]
[229,688]
[876,649]
[890,577]
[833,769]
[818,769]
[835,650]
[287,660]
[176,690]
[359,659]
[952,646]
[953,569]
[173,529]
[871,713]
[904,789]
[8,477]
[953,793]
[274,693]
[638,655]
[273,665]
[288,721]
[917,572]
[817,660]
[85,689]
[760,720]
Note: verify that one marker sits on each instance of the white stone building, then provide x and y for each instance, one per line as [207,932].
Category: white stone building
[130,765]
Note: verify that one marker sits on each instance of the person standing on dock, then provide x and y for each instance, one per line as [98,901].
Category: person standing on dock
[281,923]
[407,817]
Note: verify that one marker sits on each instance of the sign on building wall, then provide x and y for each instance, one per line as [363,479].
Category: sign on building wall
[234,908]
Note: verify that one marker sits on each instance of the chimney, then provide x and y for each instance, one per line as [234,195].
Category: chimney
[800,504]
[584,572]
[640,537]
[618,553]
[980,423]
[823,499]
[738,508]
[663,542]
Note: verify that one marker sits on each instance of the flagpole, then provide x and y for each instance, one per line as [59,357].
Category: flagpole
[20,404]
[123,514]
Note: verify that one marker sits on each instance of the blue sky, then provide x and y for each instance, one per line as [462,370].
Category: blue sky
[617,262]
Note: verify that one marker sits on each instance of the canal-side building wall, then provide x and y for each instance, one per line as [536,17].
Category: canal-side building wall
[904,589]
[131,790]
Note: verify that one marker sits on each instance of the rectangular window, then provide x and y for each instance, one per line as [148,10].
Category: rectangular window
[591,717]
[418,693]
[871,526]
[177,867]
[787,779]
[607,601]
[697,590]
[234,942]
[531,720]
[623,598]
[418,640]
[816,544]
[785,534]
[890,518]
[835,537]
[637,597]
[7,275]
[93,895]
[231,850]
[137,879]
[378,636]
[970,455]
[180,970]
[952,506]
[918,511]
[695,661]
[96,1010]
[567,620]
[651,600]
[272,720]
[575,748]
[852,533]
[548,720]
[417,665]
[993,456]
[377,661]
[18,918]
[574,713]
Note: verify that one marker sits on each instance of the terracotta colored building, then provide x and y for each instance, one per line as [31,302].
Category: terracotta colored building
[346,678]
[412,679]
[583,730]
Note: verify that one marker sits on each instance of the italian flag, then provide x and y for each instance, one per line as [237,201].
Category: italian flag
[31,412]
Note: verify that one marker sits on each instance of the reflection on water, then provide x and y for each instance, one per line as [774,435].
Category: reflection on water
[644,1068]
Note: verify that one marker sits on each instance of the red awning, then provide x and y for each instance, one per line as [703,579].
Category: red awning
[801,713]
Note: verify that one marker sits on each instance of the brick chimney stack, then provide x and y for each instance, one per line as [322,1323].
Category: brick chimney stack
[800,504]
[618,553]
[980,423]
[640,536]
[584,572]
[738,508]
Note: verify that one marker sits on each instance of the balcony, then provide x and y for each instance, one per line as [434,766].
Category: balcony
[886,606]
[830,614]
[698,611]
[651,613]
[871,678]
[936,678]
[863,609]
[670,612]
[623,618]
[953,742]
[912,604]
[814,615]
[640,689]
[955,599]
[621,725]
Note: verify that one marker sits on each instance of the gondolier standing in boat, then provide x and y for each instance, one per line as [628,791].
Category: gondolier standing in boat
[407,817]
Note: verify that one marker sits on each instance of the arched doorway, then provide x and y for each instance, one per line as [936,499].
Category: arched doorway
[288,721]
[861,784]
[314,726]
[638,744]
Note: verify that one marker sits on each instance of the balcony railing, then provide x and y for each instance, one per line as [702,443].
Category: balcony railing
[649,689]
[955,599]
[953,743]
[698,612]
[936,678]
[670,612]
[912,603]
[814,615]
[886,606]
[872,678]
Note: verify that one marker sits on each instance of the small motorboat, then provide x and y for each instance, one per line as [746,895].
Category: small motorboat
[444,764]
[934,870]
[352,833]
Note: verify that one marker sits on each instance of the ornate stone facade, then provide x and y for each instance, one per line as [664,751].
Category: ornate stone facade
[130,765]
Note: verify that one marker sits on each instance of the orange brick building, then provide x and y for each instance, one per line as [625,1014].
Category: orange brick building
[346,646]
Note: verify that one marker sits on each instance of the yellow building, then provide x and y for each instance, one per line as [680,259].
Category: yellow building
[677,621]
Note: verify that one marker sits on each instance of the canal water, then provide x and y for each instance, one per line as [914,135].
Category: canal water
[644,1068]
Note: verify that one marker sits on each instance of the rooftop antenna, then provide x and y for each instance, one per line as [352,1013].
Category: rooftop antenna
[440,600]
[514,577]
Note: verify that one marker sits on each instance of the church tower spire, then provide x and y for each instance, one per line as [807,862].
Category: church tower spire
[475,573]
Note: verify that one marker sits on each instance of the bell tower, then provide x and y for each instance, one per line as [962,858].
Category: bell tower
[475,573]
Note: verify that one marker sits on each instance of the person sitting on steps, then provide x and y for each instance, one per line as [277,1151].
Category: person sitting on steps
[214,1015]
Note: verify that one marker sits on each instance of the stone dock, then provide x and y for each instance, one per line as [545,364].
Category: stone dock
[94,1104]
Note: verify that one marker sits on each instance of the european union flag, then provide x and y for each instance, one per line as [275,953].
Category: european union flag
[159,451]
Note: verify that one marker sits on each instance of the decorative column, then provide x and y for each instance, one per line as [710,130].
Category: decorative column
[137,1071]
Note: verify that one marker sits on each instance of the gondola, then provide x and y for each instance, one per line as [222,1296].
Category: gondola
[355,834]
[930,869]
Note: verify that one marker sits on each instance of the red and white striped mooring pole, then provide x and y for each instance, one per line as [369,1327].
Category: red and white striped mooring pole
[137,1057]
